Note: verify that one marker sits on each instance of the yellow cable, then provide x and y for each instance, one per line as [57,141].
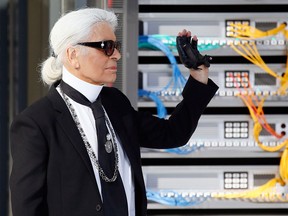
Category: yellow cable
[284,82]
[252,55]
[244,31]
[283,169]
[250,52]
[247,56]
[259,192]
[257,125]
[267,191]
[283,88]
[285,33]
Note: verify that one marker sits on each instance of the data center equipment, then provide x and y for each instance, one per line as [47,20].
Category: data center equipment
[230,135]
[233,80]
[236,162]
[218,29]
[212,186]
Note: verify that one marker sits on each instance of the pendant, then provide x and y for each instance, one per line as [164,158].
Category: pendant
[108,145]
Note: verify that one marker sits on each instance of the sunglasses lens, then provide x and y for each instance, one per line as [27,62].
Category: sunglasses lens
[118,45]
[110,46]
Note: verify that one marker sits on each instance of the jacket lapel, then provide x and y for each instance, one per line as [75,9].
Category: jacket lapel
[69,127]
[121,124]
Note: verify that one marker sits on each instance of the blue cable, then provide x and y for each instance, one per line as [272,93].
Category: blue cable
[175,200]
[184,150]
[178,79]
[161,110]
[170,41]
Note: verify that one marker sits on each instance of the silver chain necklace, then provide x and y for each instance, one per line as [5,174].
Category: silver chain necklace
[89,149]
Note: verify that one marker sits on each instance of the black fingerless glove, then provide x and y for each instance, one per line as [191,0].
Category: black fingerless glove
[189,54]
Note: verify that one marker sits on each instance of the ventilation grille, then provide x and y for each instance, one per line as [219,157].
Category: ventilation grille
[119,34]
[115,3]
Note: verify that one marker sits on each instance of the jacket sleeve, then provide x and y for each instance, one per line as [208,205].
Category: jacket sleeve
[177,130]
[27,181]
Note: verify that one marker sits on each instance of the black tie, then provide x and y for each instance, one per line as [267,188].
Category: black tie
[113,193]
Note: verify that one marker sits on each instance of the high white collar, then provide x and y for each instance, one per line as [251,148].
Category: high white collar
[90,91]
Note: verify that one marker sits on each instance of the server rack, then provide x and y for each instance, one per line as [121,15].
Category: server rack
[222,157]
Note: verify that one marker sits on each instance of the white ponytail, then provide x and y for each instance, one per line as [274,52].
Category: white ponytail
[51,72]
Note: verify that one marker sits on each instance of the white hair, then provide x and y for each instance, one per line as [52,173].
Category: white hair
[70,29]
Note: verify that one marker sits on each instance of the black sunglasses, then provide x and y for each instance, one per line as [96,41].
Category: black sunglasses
[108,46]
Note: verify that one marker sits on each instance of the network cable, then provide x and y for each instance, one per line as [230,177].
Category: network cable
[273,191]
[173,198]
[161,110]
[177,82]
[255,108]
[186,149]
[170,42]
[249,50]
[175,86]
[244,31]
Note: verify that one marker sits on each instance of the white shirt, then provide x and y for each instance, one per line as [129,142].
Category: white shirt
[87,122]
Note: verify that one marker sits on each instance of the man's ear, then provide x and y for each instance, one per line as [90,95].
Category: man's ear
[72,57]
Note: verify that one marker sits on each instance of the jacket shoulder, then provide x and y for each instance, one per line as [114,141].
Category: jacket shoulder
[39,107]
[116,99]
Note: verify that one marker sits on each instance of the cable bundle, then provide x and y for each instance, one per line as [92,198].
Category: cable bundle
[175,85]
[170,42]
[244,31]
[177,81]
[186,149]
[173,198]
[269,192]
[255,107]
[161,110]
[247,48]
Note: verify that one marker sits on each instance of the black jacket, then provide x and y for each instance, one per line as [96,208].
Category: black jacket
[52,173]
